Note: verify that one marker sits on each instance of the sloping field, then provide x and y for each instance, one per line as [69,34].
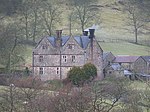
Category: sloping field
[125,49]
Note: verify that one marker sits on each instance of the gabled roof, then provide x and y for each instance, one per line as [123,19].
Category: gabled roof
[52,40]
[146,58]
[83,41]
[125,59]
[116,66]
[105,54]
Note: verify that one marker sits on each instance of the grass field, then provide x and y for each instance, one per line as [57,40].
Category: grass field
[125,49]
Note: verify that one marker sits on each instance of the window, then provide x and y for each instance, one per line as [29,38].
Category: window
[40,58]
[64,58]
[44,46]
[85,55]
[57,70]
[73,59]
[110,72]
[41,71]
[70,46]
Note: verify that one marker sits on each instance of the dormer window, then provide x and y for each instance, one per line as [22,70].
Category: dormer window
[44,46]
[70,46]
[41,58]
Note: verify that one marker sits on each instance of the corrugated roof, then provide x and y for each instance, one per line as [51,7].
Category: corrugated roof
[146,58]
[126,59]
[81,40]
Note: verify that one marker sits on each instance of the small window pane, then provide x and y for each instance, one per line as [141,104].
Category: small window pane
[73,59]
[44,46]
[70,46]
[40,58]
[64,58]
[41,71]
[57,71]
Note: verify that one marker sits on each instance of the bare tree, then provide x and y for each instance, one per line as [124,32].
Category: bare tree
[25,11]
[134,19]
[51,15]
[11,50]
[85,12]
[9,99]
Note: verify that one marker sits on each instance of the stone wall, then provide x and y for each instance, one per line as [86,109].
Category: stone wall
[97,58]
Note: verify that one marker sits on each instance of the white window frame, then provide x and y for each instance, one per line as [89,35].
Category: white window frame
[64,58]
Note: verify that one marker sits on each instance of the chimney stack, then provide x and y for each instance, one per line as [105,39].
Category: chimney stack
[58,38]
[91,33]
[91,36]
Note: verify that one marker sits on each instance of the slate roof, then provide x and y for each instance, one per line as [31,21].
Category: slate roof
[125,59]
[146,58]
[81,40]
[105,54]
[52,40]
[116,66]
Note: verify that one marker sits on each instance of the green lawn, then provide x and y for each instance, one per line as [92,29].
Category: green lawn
[125,49]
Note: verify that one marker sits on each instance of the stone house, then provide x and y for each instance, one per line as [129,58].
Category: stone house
[53,56]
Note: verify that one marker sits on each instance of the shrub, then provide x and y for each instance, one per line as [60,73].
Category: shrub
[76,76]
[90,71]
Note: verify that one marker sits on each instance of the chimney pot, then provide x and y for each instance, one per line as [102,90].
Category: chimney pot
[58,33]
[58,38]
[91,33]
[85,33]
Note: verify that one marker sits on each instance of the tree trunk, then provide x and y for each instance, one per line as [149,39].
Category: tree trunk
[136,36]
[35,24]
[26,25]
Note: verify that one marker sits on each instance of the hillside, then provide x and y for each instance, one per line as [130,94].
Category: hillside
[125,49]
[111,34]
